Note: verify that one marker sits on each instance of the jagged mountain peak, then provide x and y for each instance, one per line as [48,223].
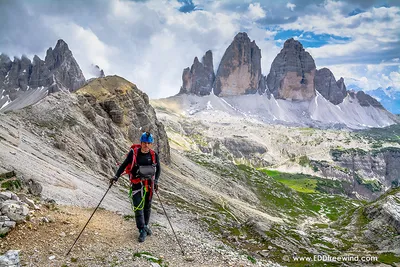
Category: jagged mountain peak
[61,44]
[200,77]
[23,82]
[241,35]
[4,58]
[293,44]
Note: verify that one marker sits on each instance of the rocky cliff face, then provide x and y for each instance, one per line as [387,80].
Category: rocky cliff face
[383,218]
[368,173]
[22,79]
[326,85]
[240,69]
[200,77]
[96,124]
[292,73]
[115,98]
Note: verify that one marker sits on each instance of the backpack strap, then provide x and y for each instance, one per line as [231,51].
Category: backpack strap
[134,156]
[133,179]
[153,156]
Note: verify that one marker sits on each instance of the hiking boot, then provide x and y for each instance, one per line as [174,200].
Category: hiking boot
[148,230]
[142,235]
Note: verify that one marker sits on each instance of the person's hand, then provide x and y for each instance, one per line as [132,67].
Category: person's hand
[113,180]
[156,187]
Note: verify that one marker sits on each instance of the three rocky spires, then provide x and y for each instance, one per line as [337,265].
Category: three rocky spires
[293,75]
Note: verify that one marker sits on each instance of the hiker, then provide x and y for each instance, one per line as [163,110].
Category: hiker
[144,174]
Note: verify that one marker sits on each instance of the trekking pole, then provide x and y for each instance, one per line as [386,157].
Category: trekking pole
[89,220]
[183,253]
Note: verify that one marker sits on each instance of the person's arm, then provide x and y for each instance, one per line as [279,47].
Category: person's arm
[158,169]
[127,160]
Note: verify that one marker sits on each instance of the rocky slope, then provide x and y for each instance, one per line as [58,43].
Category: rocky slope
[214,138]
[23,82]
[225,211]
[86,133]
[363,164]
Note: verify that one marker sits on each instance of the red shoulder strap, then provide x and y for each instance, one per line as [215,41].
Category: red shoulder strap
[153,156]
[135,152]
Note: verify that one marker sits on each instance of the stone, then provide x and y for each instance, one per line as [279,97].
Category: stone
[10,224]
[34,187]
[10,259]
[292,73]
[28,201]
[4,218]
[6,195]
[4,230]
[239,71]
[14,210]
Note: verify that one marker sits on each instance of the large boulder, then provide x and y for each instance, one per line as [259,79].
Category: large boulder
[15,210]
[292,73]
[239,72]
[10,259]
[200,77]
[326,85]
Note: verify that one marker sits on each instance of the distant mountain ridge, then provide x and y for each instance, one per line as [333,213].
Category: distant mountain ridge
[388,97]
[293,75]
[23,82]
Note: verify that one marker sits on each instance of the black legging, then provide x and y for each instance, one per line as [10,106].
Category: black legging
[142,216]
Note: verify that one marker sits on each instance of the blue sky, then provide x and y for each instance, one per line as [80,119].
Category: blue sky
[151,42]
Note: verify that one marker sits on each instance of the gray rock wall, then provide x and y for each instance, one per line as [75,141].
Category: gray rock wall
[200,77]
[240,69]
[292,73]
[326,85]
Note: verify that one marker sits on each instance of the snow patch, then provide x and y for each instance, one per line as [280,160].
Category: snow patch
[5,104]
[209,106]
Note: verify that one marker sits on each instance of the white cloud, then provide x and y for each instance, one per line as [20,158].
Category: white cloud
[83,43]
[290,6]
[395,79]
[255,11]
[368,77]
[380,22]
[151,42]
[155,42]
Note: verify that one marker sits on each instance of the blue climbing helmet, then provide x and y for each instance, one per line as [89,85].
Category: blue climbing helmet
[146,137]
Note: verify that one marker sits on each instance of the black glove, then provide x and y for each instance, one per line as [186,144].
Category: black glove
[113,180]
[156,187]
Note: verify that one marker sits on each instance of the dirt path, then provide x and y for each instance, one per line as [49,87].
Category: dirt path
[111,240]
